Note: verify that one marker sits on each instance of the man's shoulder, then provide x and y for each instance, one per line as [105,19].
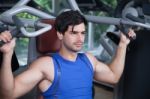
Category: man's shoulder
[43,61]
[89,55]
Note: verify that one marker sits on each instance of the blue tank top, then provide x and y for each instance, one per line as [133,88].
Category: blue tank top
[75,80]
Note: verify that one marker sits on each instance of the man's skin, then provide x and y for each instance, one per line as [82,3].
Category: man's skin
[41,71]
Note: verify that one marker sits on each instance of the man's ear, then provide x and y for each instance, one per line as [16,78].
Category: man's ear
[60,35]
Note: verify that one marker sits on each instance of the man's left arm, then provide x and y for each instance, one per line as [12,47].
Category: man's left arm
[111,73]
[118,62]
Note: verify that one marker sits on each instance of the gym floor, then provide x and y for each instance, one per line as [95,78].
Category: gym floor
[101,91]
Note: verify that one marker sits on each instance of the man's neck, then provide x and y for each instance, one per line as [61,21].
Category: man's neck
[68,55]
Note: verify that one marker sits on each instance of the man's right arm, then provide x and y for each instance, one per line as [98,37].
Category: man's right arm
[6,76]
[10,87]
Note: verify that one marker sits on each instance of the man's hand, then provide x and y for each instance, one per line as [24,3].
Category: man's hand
[10,43]
[126,40]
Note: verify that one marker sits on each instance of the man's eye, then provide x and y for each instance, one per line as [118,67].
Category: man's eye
[73,32]
[83,33]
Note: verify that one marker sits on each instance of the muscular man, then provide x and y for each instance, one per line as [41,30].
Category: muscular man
[66,74]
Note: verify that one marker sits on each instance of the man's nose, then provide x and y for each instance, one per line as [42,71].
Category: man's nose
[80,37]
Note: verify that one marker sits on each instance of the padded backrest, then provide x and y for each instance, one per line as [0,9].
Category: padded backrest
[48,42]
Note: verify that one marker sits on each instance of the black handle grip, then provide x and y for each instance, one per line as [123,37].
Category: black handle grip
[125,30]
[115,38]
[13,32]
[1,43]
[3,27]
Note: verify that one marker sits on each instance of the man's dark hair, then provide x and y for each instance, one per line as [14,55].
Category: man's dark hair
[67,18]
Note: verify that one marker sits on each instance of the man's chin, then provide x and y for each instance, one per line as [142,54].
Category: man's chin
[77,50]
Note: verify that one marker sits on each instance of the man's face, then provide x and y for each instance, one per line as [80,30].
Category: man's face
[73,38]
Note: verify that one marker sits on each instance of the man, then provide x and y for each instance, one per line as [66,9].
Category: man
[66,74]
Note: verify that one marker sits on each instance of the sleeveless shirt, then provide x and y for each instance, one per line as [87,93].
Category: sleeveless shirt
[75,81]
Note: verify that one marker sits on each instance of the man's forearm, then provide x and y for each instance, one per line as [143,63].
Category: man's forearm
[118,62]
[6,77]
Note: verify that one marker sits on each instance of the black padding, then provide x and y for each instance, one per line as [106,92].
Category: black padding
[146,8]
[14,62]
[135,82]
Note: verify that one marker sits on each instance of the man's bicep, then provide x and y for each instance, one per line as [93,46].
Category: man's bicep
[26,81]
[103,73]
